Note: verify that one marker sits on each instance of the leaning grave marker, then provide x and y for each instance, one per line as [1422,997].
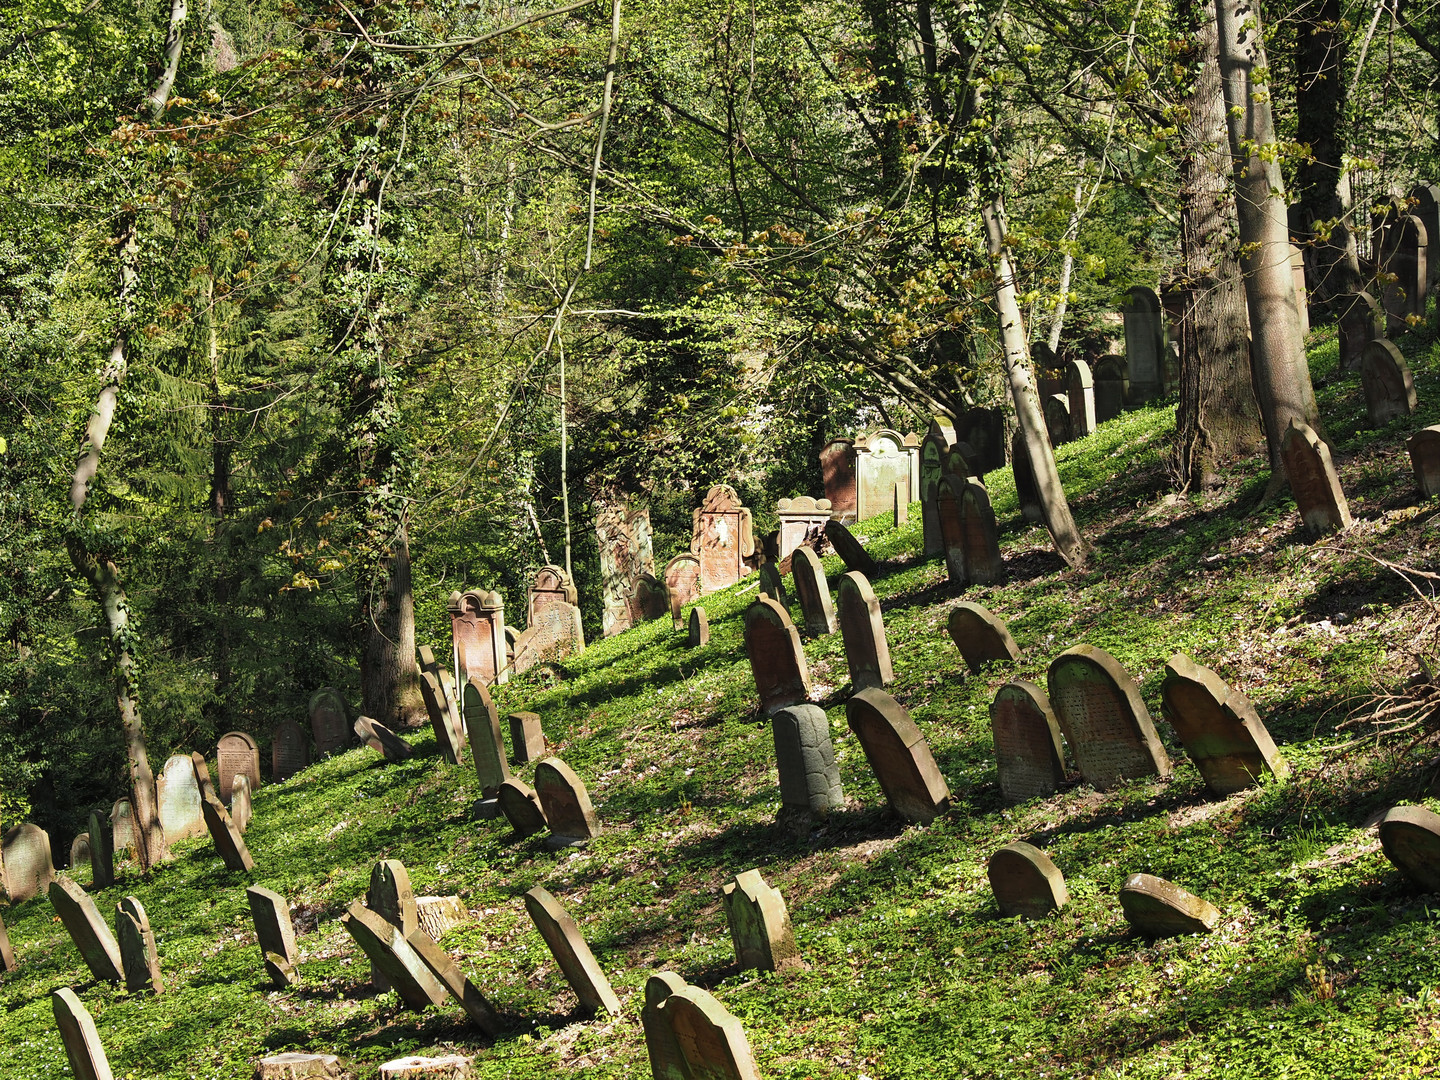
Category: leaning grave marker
[275,934]
[667,1062]
[981,637]
[1218,727]
[487,745]
[1026,882]
[1080,386]
[898,755]
[392,957]
[87,930]
[1104,720]
[566,804]
[241,809]
[527,737]
[475,1004]
[137,948]
[228,843]
[813,592]
[772,585]
[382,740]
[867,651]
[1159,908]
[521,807]
[102,855]
[1313,481]
[392,899]
[563,938]
[1028,755]
[777,659]
[850,550]
[82,1042]
[711,1042]
[1385,377]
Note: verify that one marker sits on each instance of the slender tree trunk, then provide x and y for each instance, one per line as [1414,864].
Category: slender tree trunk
[1067,264]
[564,458]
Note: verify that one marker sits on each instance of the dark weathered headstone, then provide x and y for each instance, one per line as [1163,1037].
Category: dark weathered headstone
[138,957]
[328,725]
[626,551]
[867,651]
[1026,882]
[475,1004]
[102,855]
[477,626]
[79,853]
[759,924]
[983,431]
[898,755]
[1057,418]
[772,586]
[682,584]
[777,659]
[275,934]
[87,930]
[29,865]
[652,601]
[981,637]
[179,797]
[229,845]
[1410,837]
[882,459]
[7,954]
[571,953]
[979,535]
[1404,258]
[520,807]
[1388,384]
[1219,728]
[392,957]
[487,745]
[710,1041]
[722,538]
[447,738]
[698,632]
[382,740]
[1028,755]
[392,899]
[122,826]
[667,1061]
[82,1042]
[1424,447]
[813,592]
[805,755]
[1112,382]
[1144,343]
[1080,387]
[1313,480]
[527,737]
[241,809]
[1027,491]
[289,752]
[837,475]
[1158,908]
[566,803]
[1104,720]
[236,752]
[1359,321]
[852,553]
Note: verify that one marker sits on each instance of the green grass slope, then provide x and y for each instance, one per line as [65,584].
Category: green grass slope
[1325,963]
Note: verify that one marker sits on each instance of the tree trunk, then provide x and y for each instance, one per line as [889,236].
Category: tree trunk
[389,686]
[1218,419]
[1067,264]
[1282,374]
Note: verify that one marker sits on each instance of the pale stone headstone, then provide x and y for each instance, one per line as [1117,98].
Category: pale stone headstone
[236,752]
[837,475]
[1410,837]
[82,1042]
[983,431]
[1404,256]
[382,740]
[1080,386]
[698,632]
[477,626]
[652,601]
[867,651]
[813,592]
[122,826]
[566,803]
[1313,480]
[1359,321]
[328,725]
[240,806]
[554,615]
[1388,384]
[1112,382]
[527,737]
[938,441]
[809,777]
[710,1041]
[571,953]
[1028,755]
[475,1004]
[1302,298]
[667,1061]
[772,585]
[392,957]
[1057,418]
[626,551]
[1104,720]
[275,934]
[759,924]
[487,745]
[29,866]
[1144,343]
[447,737]
[1424,448]
[682,584]
[1218,727]
[7,954]
[179,796]
[138,957]
[1158,908]
[981,637]
[852,553]
[722,538]
[298,1067]
[229,845]
[884,458]
[902,504]
[520,807]
[898,755]
[777,659]
[102,855]
[87,930]
[79,853]
[1027,491]
[802,519]
[1026,882]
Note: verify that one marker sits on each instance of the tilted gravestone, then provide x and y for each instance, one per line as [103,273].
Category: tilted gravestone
[667,1061]
[276,935]
[805,755]
[759,924]
[566,803]
[777,659]
[1410,837]
[1424,448]
[698,632]
[813,592]
[137,948]
[82,1042]
[179,797]
[79,852]
[527,737]
[1144,343]
[571,953]
[328,725]
[772,586]
[1389,387]
[884,458]
[837,476]
[241,809]
[487,745]
[1026,882]
[1404,257]
[722,538]
[102,855]
[706,1041]
[938,441]
[235,753]
[447,738]
[626,551]
[475,1004]
[802,519]
[898,755]
[87,930]
[382,740]
[122,826]
[979,537]
[867,651]
[520,807]
[477,627]
[1057,418]
[1159,908]
[1112,383]
[1080,387]
[981,637]
[682,583]
[7,954]
[1104,720]
[1028,755]
[392,958]
[852,553]
[392,899]
[289,753]
[1218,727]
[554,614]
[1027,491]
[29,866]
[1313,480]
[1359,323]
[229,845]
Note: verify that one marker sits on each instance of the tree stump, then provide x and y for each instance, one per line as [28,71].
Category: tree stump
[298,1066]
[439,913]
[453,1067]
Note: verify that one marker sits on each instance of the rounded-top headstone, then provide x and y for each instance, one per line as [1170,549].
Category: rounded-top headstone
[520,807]
[850,550]
[980,636]
[1410,837]
[898,755]
[1026,882]
[566,802]
[1029,759]
[1386,379]
[1313,480]
[1104,719]
[777,659]
[236,752]
[1220,729]
[698,633]
[1159,908]
[328,725]
[1424,448]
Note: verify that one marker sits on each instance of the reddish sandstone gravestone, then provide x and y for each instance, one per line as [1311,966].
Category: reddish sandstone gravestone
[852,553]
[1028,755]
[759,925]
[442,719]
[626,544]
[138,957]
[289,752]
[813,591]
[981,637]
[1104,720]
[898,755]
[477,626]
[777,659]
[698,632]
[667,1062]
[652,601]
[328,724]
[29,866]
[566,803]
[1424,448]
[82,1042]
[236,752]
[571,953]
[722,538]
[1410,837]
[706,1041]
[275,934]
[179,797]
[487,745]
[837,474]
[520,807]
[967,526]
[682,583]
[1158,908]
[553,617]
[1359,323]
[867,651]
[87,930]
[1313,481]
[1218,727]
[1026,882]
[1389,387]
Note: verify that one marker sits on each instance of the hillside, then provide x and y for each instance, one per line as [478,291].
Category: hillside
[1325,963]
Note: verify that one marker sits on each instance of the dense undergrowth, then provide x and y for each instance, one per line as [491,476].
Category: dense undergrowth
[1325,963]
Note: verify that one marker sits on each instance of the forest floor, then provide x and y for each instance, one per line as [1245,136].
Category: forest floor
[1325,963]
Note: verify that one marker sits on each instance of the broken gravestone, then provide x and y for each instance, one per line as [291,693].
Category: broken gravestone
[475,1004]
[392,957]
[568,947]
[777,659]
[87,930]
[1218,727]
[1026,882]
[382,740]
[981,637]
[809,777]
[898,755]
[693,1036]
[138,957]
[1158,908]
[867,652]
[275,934]
[1028,755]
[566,803]
[759,924]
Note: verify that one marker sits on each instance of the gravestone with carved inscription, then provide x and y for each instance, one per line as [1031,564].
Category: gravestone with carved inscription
[722,538]
[1028,754]
[477,627]
[554,615]
[802,519]
[1218,727]
[29,865]
[1313,481]
[682,584]
[884,458]
[236,752]
[1104,719]
[777,659]
[289,752]
[179,797]
[898,755]
[627,550]
[1387,382]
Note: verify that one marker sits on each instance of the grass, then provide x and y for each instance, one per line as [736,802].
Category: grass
[1326,963]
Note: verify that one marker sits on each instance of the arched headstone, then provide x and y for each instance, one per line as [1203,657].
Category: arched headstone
[487,744]
[1104,720]
[1410,837]
[521,807]
[1313,481]
[805,756]
[28,862]
[1028,755]
[1424,448]
[328,724]
[837,475]
[898,755]
[1425,204]
[1404,257]
[82,1042]
[1027,491]
[967,523]
[179,797]
[682,583]
[236,752]
[1158,908]
[566,802]
[802,519]
[477,625]
[698,632]
[981,637]
[722,538]
[289,752]
[87,930]
[777,659]
[933,450]
[1057,418]
[1112,384]
[882,459]
[651,599]
[696,1032]
[1388,384]
[79,853]
[1080,388]
[813,592]
[1218,727]
[626,551]
[1026,882]
[122,826]
[1144,343]
[554,614]
[852,553]
[136,942]
[867,652]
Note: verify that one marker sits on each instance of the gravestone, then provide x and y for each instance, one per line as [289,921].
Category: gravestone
[1104,720]
[122,826]
[240,806]
[179,797]
[651,600]
[554,615]
[475,1004]
[867,651]
[520,807]
[236,752]
[852,553]
[802,519]
[392,958]
[138,957]
[87,930]
[626,551]
[393,900]
[1026,882]
[1424,448]
[275,934]
[1028,754]
[1389,387]
[566,804]
[1057,418]
[1218,727]
[7,954]
[477,626]
[571,953]
[698,632]
[1158,908]
[79,853]
[1404,254]
[837,475]
[1313,481]
[709,1041]
[487,745]
[1410,837]
[722,538]
[288,752]
[1027,491]
[1144,343]
[1112,383]
[527,737]
[447,738]
[1424,202]
[29,866]
[777,659]
[667,1062]
[981,637]
[1302,299]
[884,458]
[772,586]
[967,525]
[382,740]
[759,925]
[809,777]
[936,446]
[82,1042]
[902,505]
[813,592]
[682,584]
[1080,387]
[898,755]
[983,431]
[328,725]
[102,855]
[228,843]
[1358,318]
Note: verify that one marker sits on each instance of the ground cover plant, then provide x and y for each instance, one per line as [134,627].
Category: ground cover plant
[1325,962]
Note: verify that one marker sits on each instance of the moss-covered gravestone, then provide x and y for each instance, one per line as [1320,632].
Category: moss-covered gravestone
[102,855]
[667,1061]
[981,637]
[391,897]
[7,954]
[138,956]
[1219,728]
[777,659]
[475,1004]
[867,651]
[1313,481]
[1104,720]
[809,777]
[487,745]
[566,803]
[1410,836]
[710,1042]
[391,956]
[772,585]
[1158,908]
[1028,754]
[276,934]
[179,796]
[520,807]
[850,550]
[759,924]
[568,947]
[898,755]
[328,725]
[87,930]
[1026,882]
[813,592]
[527,737]
[82,1042]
